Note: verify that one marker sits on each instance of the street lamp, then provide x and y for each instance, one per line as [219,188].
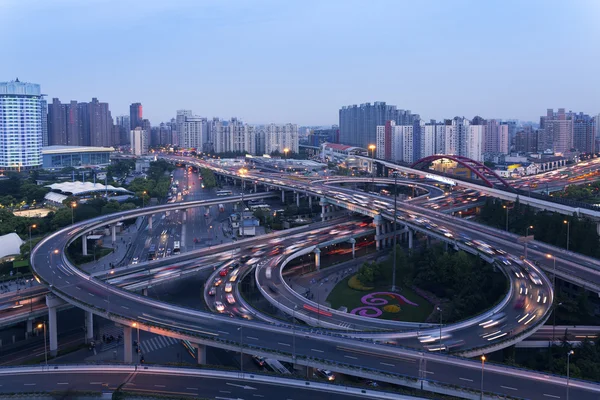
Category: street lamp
[285,152]
[482,367]
[144,199]
[241,329]
[569,354]
[40,326]
[506,217]
[440,310]
[52,253]
[526,235]
[243,172]
[73,205]
[568,231]
[553,271]
[136,325]
[372,147]
[30,227]
[395,223]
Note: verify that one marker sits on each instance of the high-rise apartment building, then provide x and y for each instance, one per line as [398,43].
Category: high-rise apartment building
[57,123]
[80,124]
[123,125]
[358,124]
[101,122]
[20,125]
[195,133]
[280,137]
[584,133]
[432,142]
[139,141]
[526,140]
[180,121]
[135,115]
[74,134]
[44,106]
[474,142]
[557,131]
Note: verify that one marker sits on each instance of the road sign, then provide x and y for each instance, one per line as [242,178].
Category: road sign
[525,239]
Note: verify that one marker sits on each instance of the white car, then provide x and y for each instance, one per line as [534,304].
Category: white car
[228,287]
[135,260]
[219,306]
[230,298]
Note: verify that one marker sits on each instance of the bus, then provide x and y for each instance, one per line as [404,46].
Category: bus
[152,252]
[255,207]
[224,193]
[176,247]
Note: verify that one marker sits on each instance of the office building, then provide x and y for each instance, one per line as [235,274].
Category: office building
[584,133]
[139,141]
[557,132]
[20,125]
[135,115]
[58,157]
[358,124]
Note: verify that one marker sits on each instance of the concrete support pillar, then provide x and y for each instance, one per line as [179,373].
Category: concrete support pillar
[89,326]
[200,353]
[29,330]
[378,222]
[84,245]
[184,215]
[150,218]
[145,292]
[282,196]
[310,201]
[52,322]
[353,243]
[410,234]
[297,199]
[323,203]
[127,345]
[255,190]
[113,231]
[317,259]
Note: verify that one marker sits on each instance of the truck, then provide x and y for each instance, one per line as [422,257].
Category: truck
[221,208]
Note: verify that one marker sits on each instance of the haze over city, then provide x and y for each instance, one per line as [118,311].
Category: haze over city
[282,61]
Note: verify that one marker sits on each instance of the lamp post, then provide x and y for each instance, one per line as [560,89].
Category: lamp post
[553,271]
[554,319]
[526,235]
[568,231]
[55,251]
[569,354]
[440,310]
[243,172]
[241,329]
[294,336]
[285,152]
[73,205]
[482,368]
[506,207]
[31,227]
[40,326]
[144,199]
[136,325]
[372,147]
[394,229]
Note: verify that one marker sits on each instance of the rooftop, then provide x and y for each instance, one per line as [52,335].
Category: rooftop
[78,188]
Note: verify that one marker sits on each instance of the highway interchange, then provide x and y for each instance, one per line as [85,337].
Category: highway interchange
[93,294]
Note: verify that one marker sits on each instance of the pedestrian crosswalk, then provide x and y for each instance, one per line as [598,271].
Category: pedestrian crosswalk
[157,342]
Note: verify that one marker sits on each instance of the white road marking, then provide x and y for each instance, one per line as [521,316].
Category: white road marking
[252,337]
[192,388]
[127,308]
[508,387]
[77,287]
[91,294]
[318,351]
[223,332]
[550,395]
[465,379]
[62,383]
[159,386]
[388,364]
[258,395]
[68,283]
[428,372]
[284,344]
[224,391]
[95,383]
[29,384]
[351,357]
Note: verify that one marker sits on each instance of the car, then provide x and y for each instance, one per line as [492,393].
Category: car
[135,260]
[260,361]
[325,373]
[212,291]
[228,287]
[524,290]
[223,272]
[542,297]
[230,298]
[218,281]
[219,306]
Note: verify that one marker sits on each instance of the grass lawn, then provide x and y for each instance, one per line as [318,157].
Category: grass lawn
[344,296]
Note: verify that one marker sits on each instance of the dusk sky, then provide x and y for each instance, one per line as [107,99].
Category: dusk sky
[300,61]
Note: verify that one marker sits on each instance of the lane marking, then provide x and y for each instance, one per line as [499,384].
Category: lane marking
[508,387]
[127,308]
[223,332]
[68,283]
[388,364]
[252,337]
[29,384]
[318,351]
[91,295]
[95,383]
[62,383]
[465,379]
[162,386]
[284,344]
[429,372]
[77,287]
[224,391]
[550,395]
[192,388]
[351,357]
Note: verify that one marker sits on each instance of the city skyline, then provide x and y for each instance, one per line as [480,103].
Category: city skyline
[306,72]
